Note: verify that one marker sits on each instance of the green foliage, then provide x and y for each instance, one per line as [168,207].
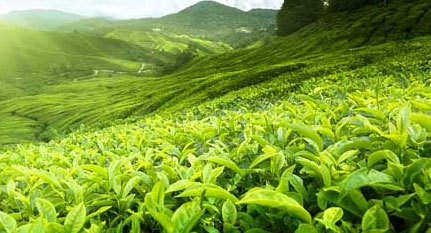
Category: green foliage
[39,106]
[46,210]
[351,5]
[273,199]
[328,142]
[75,219]
[8,223]
[208,20]
[330,218]
[312,163]
[296,14]
[375,220]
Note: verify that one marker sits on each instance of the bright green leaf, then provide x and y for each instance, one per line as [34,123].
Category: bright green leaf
[229,213]
[274,199]
[8,223]
[375,220]
[186,217]
[75,219]
[46,209]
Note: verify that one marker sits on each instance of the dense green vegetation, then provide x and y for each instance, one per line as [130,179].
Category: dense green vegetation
[206,20]
[31,59]
[85,75]
[204,78]
[51,82]
[170,43]
[358,138]
[325,130]
[343,5]
[295,15]
[388,20]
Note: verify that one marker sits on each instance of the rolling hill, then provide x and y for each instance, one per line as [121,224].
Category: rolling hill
[206,20]
[40,19]
[210,16]
[288,60]
[170,43]
[325,130]
[32,59]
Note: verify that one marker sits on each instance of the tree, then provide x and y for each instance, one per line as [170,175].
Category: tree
[295,14]
[182,58]
[349,5]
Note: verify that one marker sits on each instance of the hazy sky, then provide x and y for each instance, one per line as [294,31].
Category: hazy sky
[125,8]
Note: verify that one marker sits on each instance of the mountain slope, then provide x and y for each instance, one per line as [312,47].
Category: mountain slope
[208,20]
[98,101]
[328,141]
[306,54]
[322,131]
[209,16]
[170,43]
[399,20]
[40,19]
[32,59]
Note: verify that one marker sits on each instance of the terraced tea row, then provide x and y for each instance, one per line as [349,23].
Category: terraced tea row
[339,154]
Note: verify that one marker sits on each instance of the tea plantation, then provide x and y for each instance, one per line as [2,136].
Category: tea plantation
[296,136]
[346,152]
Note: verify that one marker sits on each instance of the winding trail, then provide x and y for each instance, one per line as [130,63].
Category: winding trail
[142,69]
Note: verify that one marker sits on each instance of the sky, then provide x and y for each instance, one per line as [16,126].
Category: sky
[122,9]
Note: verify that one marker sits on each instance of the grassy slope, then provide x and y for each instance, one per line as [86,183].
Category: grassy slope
[214,76]
[348,130]
[30,58]
[34,61]
[206,20]
[34,100]
[92,101]
[345,131]
[170,43]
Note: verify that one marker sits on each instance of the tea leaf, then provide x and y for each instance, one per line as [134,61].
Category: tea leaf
[229,213]
[273,199]
[8,223]
[308,132]
[306,228]
[46,209]
[75,219]
[375,220]
[423,195]
[227,163]
[330,217]
[186,217]
[381,155]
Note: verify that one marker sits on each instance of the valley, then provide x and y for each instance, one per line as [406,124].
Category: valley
[37,64]
[216,119]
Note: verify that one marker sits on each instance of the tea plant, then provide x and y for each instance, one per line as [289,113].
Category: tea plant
[333,156]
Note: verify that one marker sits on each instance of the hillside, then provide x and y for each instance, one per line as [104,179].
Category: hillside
[40,19]
[203,79]
[326,135]
[209,16]
[399,20]
[325,130]
[169,42]
[206,20]
[41,73]
[32,59]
